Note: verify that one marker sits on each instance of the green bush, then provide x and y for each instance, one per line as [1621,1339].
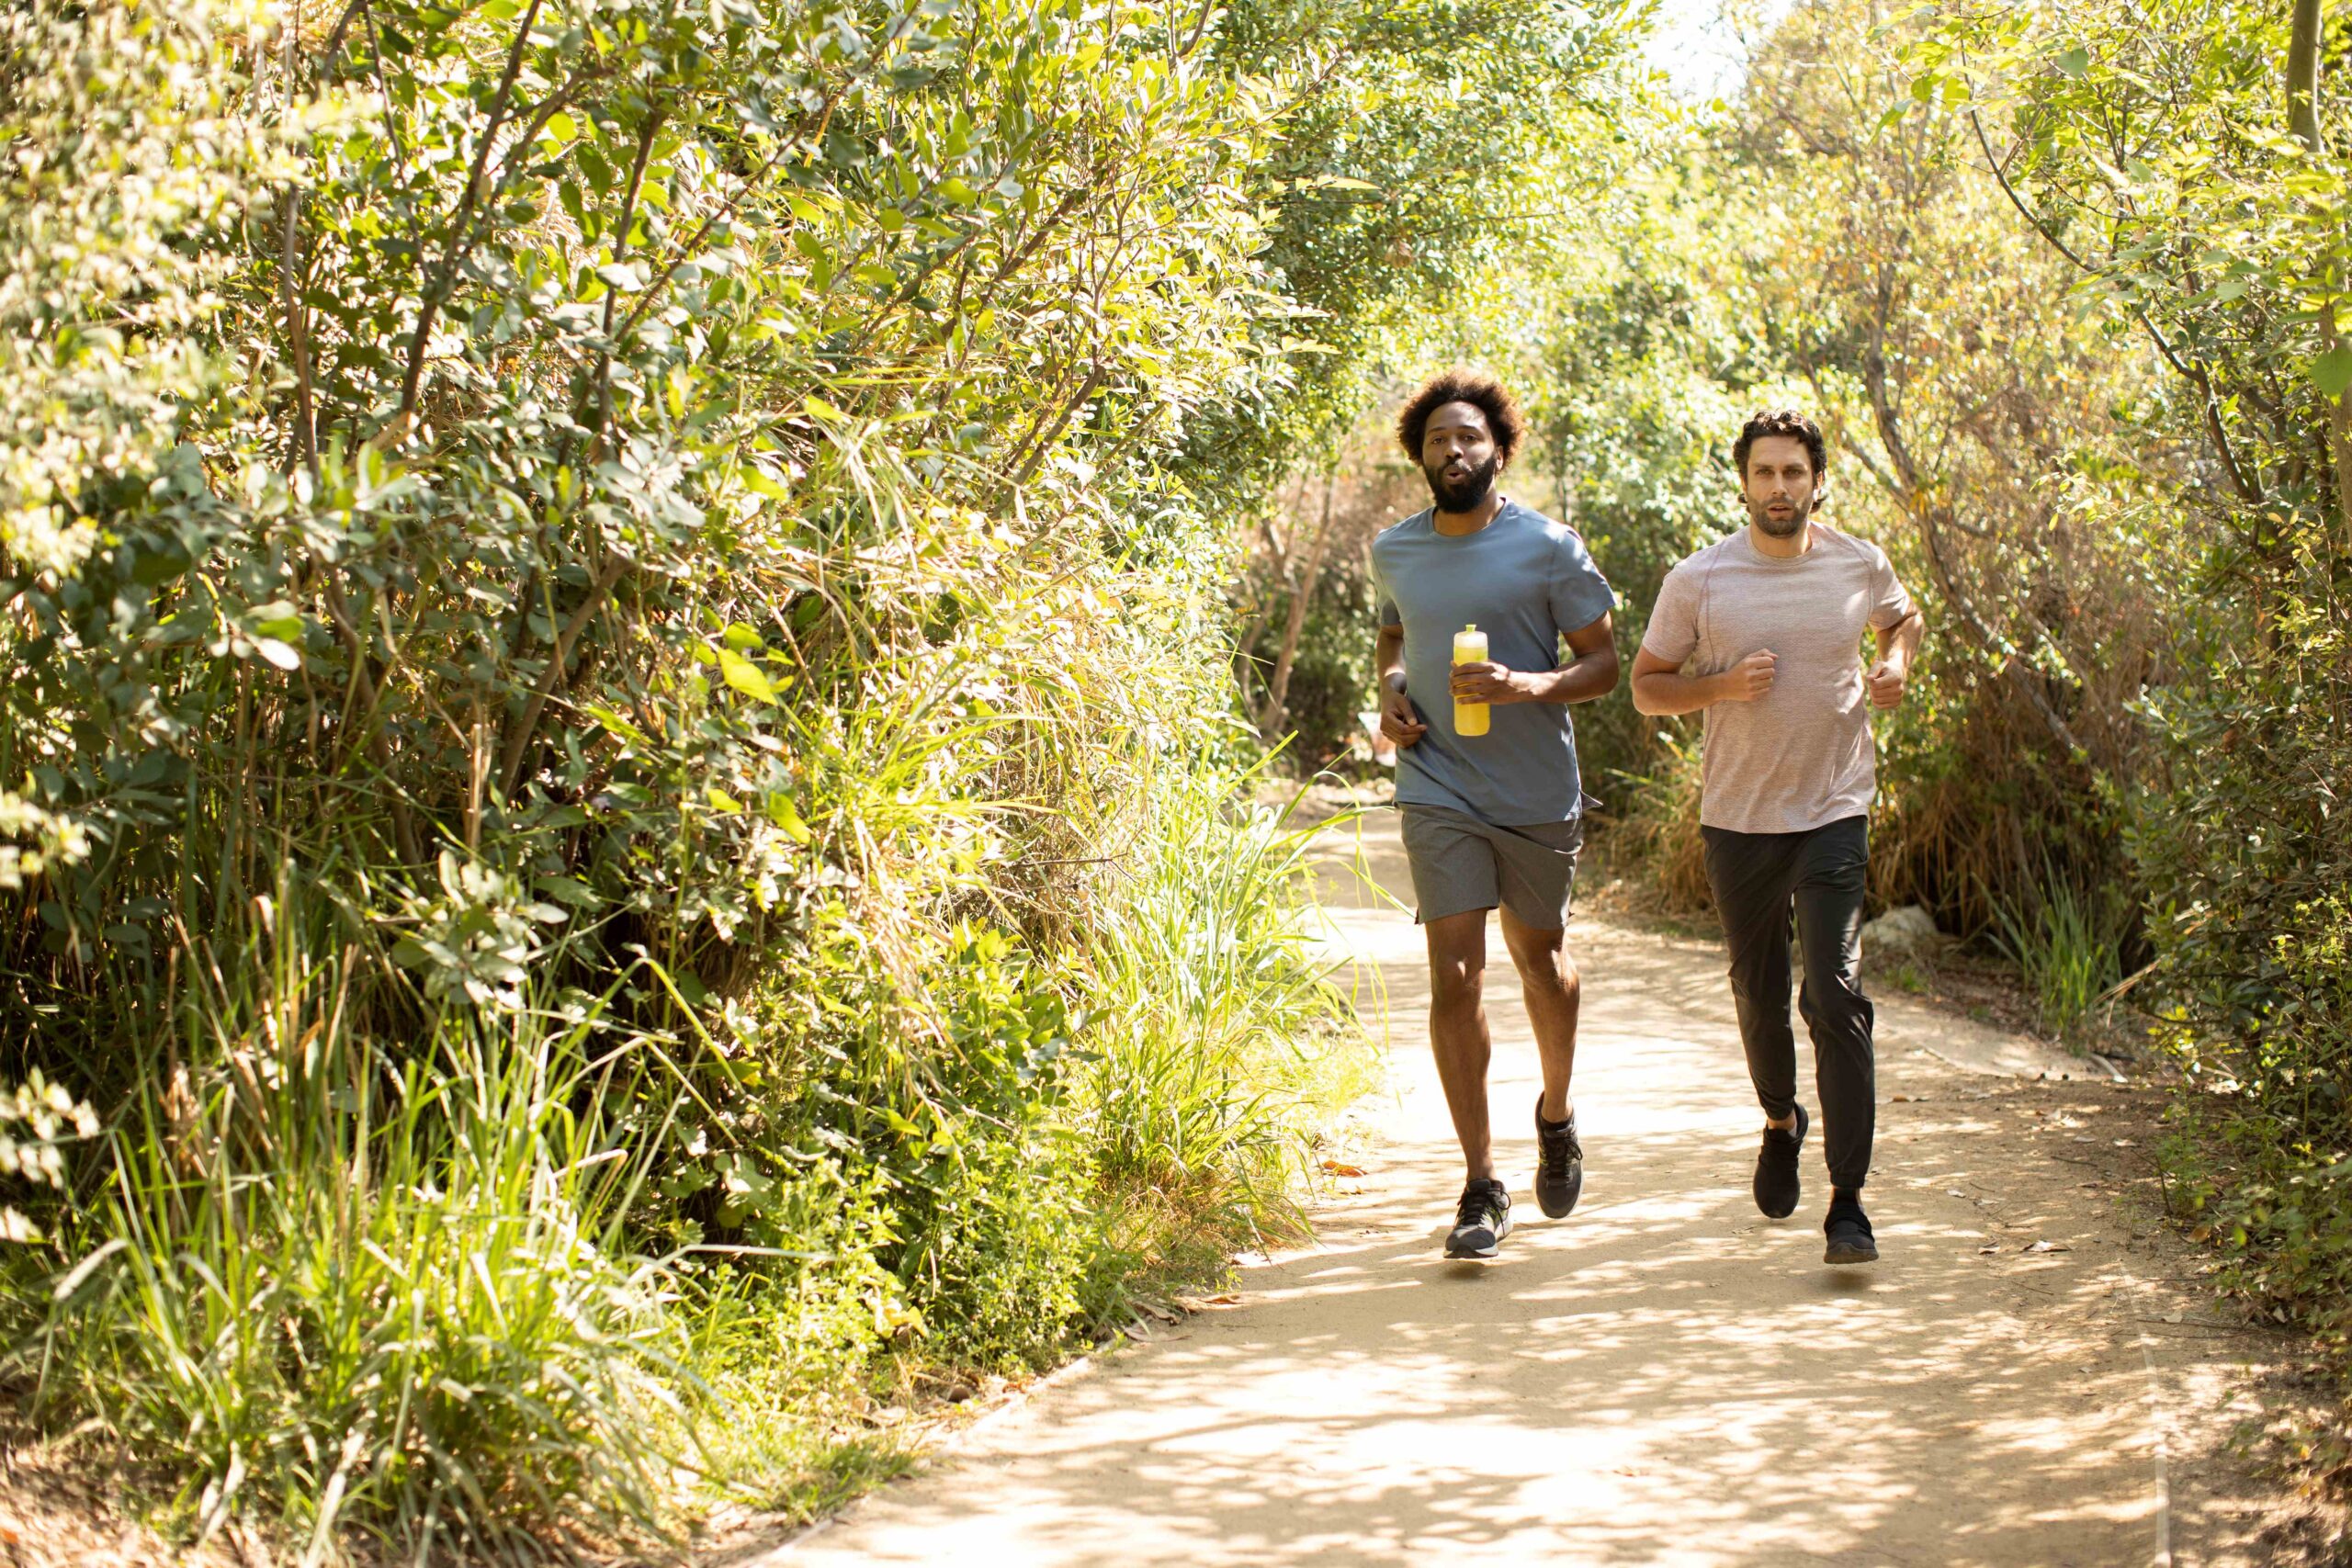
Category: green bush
[602,704]
[344,1291]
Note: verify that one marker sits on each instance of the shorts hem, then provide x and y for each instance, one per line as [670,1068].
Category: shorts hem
[1421,918]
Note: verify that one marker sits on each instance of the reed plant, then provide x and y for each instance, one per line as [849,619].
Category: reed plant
[1213,1051]
[350,1288]
[2067,945]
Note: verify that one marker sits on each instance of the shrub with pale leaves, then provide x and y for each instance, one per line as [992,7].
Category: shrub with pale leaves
[36,1118]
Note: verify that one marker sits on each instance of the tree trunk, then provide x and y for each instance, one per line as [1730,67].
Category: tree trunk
[1269,722]
[2303,119]
[2339,431]
[2302,74]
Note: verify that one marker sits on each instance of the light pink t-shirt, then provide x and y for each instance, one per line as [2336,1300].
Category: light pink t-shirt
[1801,756]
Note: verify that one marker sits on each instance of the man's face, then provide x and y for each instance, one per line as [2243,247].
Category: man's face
[1778,485]
[1458,455]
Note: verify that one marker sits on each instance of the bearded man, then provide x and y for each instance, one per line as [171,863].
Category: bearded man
[1493,819]
[1762,631]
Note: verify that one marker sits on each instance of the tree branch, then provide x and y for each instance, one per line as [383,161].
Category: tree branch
[438,288]
[519,738]
[297,336]
[2247,487]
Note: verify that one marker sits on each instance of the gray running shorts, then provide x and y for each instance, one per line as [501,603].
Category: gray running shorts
[1461,864]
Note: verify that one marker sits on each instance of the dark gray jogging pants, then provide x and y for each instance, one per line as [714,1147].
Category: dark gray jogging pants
[1758,878]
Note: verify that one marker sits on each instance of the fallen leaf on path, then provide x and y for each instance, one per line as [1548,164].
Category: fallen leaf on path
[2050,1247]
[1161,1313]
[1988,1248]
[1227,1300]
[2172,1317]
[1340,1167]
[1135,1331]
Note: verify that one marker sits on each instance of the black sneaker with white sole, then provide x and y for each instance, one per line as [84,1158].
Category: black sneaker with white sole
[1482,1221]
[1848,1230]
[1776,1169]
[1559,1162]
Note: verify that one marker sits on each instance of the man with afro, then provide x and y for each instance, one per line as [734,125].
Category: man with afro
[1493,819]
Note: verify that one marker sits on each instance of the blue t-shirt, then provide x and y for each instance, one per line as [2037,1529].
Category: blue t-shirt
[1526,581]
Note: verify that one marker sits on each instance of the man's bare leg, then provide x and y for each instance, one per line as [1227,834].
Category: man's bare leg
[1458,1030]
[1549,981]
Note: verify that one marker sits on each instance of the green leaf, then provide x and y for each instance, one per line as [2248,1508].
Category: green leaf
[722,801]
[2332,371]
[2073,62]
[784,815]
[569,890]
[278,653]
[745,676]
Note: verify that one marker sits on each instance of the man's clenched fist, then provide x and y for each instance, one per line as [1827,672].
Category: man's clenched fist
[1397,719]
[1887,679]
[1749,678]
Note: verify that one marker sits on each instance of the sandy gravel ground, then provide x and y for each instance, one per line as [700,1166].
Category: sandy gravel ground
[2029,1377]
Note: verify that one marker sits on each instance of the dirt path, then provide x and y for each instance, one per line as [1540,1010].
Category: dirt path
[1664,1378]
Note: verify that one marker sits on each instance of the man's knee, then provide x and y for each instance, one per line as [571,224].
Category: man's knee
[1456,980]
[1833,1008]
[1547,971]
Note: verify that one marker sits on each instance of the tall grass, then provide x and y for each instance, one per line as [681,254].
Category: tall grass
[357,1289]
[1214,1049]
[2067,945]
[1652,821]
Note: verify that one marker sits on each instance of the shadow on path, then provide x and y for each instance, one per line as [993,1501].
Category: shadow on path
[1664,1377]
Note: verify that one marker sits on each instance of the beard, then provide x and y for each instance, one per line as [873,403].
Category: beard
[1461,494]
[1782,528]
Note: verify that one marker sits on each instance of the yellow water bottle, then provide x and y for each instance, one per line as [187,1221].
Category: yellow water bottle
[1469,647]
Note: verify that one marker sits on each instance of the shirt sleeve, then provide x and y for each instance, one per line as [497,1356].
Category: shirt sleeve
[1889,602]
[1580,595]
[1384,602]
[1673,632]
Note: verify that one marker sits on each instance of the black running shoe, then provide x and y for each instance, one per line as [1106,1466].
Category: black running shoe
[1482,1221]
[1848,1230]
[1559,1162]
[1776,1169]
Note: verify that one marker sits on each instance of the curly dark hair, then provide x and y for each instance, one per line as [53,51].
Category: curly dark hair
[1780,422]
[1461,385]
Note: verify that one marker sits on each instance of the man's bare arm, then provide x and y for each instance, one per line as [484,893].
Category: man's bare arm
[1398,720]
[1897,644]
[1661,688]
[1591,673]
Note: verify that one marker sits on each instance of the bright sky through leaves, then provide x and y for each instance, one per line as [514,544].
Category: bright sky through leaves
[1700,44]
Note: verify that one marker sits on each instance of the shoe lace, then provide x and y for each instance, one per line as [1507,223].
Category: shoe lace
[1555,1148]
[1478,1204]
